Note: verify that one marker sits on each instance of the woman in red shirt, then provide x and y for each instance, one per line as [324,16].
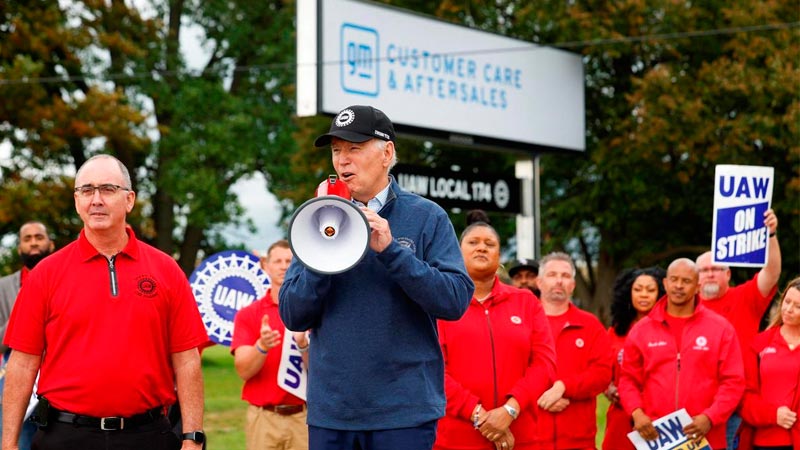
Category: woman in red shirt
[635,293]
[499,357]
[771,402]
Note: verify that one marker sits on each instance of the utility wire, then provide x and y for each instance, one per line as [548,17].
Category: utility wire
[289,66]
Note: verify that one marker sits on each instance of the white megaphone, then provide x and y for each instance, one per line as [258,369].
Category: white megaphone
[329,234]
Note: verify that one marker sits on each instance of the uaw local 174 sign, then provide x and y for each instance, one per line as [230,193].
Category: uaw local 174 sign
[742,194]
[223,284]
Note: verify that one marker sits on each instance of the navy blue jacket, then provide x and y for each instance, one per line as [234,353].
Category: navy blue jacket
[375,361]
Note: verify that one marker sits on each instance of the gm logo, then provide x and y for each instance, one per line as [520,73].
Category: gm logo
[359,56]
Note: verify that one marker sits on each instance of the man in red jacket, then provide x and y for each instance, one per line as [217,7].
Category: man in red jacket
[682,355]
[567,414]
[745,304]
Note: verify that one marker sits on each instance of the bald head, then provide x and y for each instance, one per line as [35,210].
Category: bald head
[681,282]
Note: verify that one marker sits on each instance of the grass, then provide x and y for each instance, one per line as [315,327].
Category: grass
[225,409]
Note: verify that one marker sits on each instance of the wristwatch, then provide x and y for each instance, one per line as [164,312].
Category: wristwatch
[197,436]
[511,411]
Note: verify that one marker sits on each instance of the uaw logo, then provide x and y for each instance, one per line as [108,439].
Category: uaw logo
[359,56]
[701,343]
[223,284]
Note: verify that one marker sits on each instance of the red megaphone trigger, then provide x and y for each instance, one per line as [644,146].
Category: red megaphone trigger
[332,186]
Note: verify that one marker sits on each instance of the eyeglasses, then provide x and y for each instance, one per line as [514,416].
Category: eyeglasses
[705,270]
[87,190]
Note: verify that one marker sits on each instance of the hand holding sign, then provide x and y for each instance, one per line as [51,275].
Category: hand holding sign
[698,428]
[269,337]
[643,425]
[675,431]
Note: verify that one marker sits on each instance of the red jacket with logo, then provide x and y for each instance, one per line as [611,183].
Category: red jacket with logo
[500,348]
[584,366]
[705,376]
[773,380]
[618,422]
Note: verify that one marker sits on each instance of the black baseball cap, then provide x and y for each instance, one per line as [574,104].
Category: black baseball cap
[358,123]
[523,263]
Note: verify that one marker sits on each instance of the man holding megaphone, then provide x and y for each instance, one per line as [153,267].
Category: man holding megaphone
[376,375]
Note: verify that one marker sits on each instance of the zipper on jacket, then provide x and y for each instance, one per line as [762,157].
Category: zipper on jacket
[112,273]
[677,379]
[494,356]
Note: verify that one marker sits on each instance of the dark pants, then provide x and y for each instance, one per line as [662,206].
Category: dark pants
[153,436]
[415,438]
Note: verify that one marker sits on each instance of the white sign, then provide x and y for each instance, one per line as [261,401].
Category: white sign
[742,194]
[437,78]
[292,374]
[670,434]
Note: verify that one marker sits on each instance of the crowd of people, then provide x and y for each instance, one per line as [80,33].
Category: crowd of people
[420,345]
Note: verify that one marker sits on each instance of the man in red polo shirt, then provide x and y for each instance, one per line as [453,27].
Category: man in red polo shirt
[276,419]
[111,324]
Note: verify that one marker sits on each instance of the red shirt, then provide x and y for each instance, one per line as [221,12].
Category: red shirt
[106,353]
[262,389]
[500,348]
[584,365]
[705,375]
[773,373]
[618,422]
[743,306]
[23,274]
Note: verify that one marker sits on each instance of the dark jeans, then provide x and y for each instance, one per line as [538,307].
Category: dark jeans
[415,438]
[153,436]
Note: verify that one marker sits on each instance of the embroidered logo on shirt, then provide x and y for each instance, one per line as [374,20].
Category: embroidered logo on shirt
[657,344]
[146,286]
[701,343]
[407,243]
[579,343]
[516,320]
[619,356]
[767,351]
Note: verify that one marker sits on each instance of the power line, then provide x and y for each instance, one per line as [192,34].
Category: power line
[289,66]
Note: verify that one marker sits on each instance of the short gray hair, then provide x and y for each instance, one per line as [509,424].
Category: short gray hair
[556,256]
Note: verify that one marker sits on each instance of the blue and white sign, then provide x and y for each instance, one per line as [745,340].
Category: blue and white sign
[742,194]
[670,434]
[223,284]
[359,49]
[292,373]
[438,79]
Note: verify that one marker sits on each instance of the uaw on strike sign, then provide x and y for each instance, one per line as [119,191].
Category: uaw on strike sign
[742,194]
[222,285]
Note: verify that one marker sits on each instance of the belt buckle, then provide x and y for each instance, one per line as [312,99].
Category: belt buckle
[111,427]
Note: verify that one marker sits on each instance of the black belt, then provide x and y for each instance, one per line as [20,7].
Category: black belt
[284,410]
[108,423]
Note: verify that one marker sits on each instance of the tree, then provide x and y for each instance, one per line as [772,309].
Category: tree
[672,89]
[97,76]
[666,101]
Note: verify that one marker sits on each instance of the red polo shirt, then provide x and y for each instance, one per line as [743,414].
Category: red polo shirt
[106,335]
[262,389]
